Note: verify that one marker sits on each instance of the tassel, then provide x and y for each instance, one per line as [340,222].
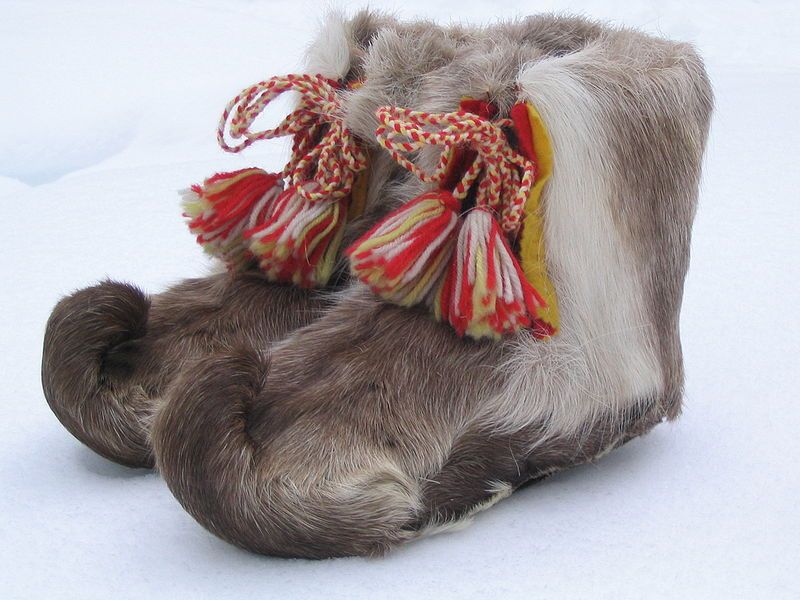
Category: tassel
[225,206]
[406,255]
[485,293]
[299,241]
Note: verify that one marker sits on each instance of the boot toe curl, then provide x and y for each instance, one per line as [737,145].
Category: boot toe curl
[91,345]
[233,452]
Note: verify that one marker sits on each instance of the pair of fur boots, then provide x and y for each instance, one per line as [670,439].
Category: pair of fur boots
[469,277]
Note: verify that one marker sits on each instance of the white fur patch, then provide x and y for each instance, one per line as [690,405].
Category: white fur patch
[499,490]
[329,53]
[604,358]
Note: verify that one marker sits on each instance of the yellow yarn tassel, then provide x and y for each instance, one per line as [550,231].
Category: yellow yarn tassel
[300,240]
[222,209]
[404,256]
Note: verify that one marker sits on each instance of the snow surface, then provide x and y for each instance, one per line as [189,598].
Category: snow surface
[107,108]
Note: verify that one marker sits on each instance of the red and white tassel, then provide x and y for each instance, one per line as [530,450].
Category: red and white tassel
[485,293]
[299,240]
[405,255]
[225,206]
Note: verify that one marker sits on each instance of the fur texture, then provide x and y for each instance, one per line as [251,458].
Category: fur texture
[110,351]
[374,424]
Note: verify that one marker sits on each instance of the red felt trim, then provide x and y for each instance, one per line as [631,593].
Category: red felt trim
[482,108]
[522,126]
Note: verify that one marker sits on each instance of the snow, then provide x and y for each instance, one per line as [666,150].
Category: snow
[109,107]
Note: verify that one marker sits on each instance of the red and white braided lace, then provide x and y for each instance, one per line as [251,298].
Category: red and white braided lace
[506,176]
[323,152]
[436,248]
[290,222]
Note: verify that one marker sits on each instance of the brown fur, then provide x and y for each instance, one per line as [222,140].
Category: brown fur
[304,451]
[110,350]
[375,424]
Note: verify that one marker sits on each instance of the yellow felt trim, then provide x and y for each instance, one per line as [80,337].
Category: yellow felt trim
[532,250]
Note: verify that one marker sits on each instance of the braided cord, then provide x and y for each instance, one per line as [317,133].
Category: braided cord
[325,154]
[505,176]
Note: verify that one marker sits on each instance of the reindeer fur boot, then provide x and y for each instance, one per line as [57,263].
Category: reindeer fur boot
[110,351]
[516,314]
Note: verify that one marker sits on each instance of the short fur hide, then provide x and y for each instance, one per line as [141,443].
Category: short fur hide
[294,424]
[375,425]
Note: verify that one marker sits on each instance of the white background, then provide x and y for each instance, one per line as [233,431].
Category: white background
[107,108]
